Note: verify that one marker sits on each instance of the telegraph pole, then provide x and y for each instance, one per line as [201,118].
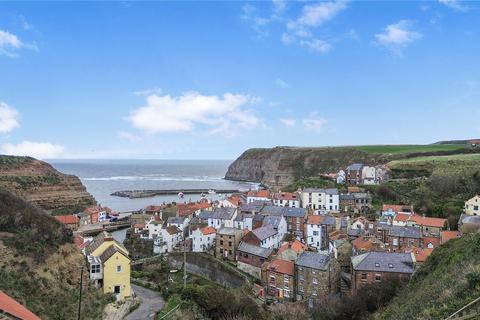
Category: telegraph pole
[80,293]
[184,263]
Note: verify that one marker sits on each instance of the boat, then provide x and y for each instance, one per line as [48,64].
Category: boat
[180,195]
[203,195]
[211,191]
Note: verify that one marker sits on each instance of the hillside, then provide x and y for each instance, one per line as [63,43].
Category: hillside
[281,166]
[448,280]
[39,183]
[39,263]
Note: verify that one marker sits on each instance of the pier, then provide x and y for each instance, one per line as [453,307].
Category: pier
[133,194]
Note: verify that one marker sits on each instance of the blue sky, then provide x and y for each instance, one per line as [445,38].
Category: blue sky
[193,80]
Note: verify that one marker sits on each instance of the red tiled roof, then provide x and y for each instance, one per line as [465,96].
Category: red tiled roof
[421,255]
[208,230]
[154,208]
[433,240]
[337,235]
[315,219]
[365,243]
[11,307]
[396,207]
[258,193]
[67,219]
[428,221]
[282,266]
[448,235]
[285,196]
[353,189]
[295,245]
[402,217]
[235,200]
[139,225]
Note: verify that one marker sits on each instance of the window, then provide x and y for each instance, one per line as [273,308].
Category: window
[300,289]
[390,266]
[221,242]
[95,268]
[378,277]
[364,277]
[377,265]
[285,279]
[475,208]
[230,252]
[272,279]
[314,281]
[286,293]
[315,233]
[230,243]
[116,289]
[119,268]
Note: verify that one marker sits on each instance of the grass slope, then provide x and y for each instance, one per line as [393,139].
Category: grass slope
[404,149]
[39,264]
[448,280]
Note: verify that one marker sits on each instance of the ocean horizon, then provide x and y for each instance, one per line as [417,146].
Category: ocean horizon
[102,177]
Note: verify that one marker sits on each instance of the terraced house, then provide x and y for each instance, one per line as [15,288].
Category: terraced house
[316,275]
[279,276]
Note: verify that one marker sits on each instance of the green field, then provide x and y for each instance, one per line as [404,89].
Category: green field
[399,149]
[473,158]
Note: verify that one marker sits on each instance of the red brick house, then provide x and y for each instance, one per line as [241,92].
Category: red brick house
[278,277]
[250,258]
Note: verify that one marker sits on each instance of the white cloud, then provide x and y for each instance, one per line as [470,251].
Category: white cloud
[454,4]
[147,92]
[10,44]
[8,118]
[317,14]
[288,122]
[281,83]
[397,36]
[316,45]
[314,123]
[39,150]
[128,136]
[191,109]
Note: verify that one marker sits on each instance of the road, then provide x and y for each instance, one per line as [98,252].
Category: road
[150,302]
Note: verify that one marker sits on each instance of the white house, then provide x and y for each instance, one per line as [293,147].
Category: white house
[317,230]
[286,199]
[258,195]
[154,227]
[278,223]
[179,222]
[340,177]
[203,239]
[243,221]
[320,200]
[169,238]
[472,206]
[222,217]
[369,175]
[267,236]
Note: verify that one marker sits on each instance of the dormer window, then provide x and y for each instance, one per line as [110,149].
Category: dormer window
[390,266]
[377,265]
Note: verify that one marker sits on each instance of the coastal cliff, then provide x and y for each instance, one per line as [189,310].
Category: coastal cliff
[281,166]
[39,183]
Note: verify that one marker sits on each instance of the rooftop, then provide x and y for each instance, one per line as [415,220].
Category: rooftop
[384,262]
[264,232]
[282,266]
[255,250]
[315,260]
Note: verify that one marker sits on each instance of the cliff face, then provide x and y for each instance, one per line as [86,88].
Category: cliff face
[281,166]
[39,183]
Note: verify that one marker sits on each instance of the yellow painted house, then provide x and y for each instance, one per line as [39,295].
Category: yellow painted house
[109,265]
[472,206]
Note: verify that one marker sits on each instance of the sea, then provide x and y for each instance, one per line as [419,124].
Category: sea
[103,177]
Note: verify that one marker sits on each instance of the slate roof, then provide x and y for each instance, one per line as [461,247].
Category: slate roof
[175,220]
[255,250]
[314,260]
[273,221]
[294,212]
[469,219]
[243,216]
[273,210]
[223,213]
[264,232]
[362,195]
[332,191]
[355,166]
[205,214]
[109,252]
[97,242]
[255,206]
[227,231]
[346,196]
[404,232]
[384,262]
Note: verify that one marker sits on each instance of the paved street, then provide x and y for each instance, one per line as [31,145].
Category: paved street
[150,302]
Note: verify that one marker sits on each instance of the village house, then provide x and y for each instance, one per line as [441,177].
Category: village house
[446,235]
[295,218]
[153,210]
[109,265]
[374,267]
[265,237]
[154,227]
[291,250]
[286,199]
[353,174]
[317,229]
[179,222]
[70,220]
[279,276]
[226,242]
[402,239]
[203,239]
[243,221]
[250,258]
[341,176]
[254,207]
[233,201]
[472,206]
[431,227]
[364,244]
[316,275]
[278,223]
[222,217]
[257,221]
[168,239]
[97,213]
[363,202]
[323,200]
[369,176]
[258,195]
